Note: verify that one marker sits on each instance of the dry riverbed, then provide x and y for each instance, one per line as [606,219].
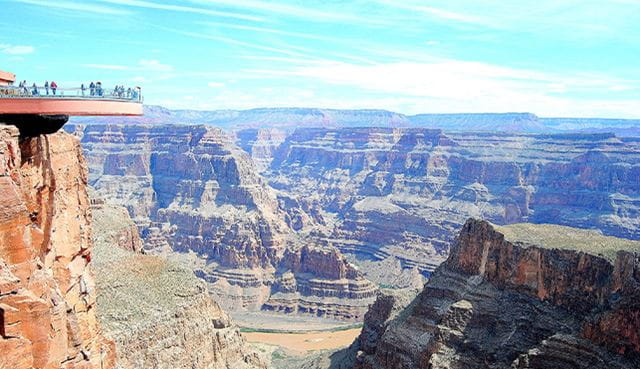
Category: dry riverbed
[301,343]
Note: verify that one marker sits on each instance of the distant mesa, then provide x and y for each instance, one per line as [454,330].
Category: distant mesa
[289,119]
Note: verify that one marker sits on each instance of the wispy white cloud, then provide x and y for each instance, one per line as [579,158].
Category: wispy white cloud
[184,9]
[16,49]
[155,66]
[106,66]
[306,12]
[76,6]
[572,19]
[143,65]
[279,59]
[447,15]
[289,50]
[451,79]
[235,42]
[244,99]
[453,16]
[267,30]
[455,86]
[215,84]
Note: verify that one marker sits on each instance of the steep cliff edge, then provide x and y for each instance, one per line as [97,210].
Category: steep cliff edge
[520,296]
[47,293]
[159,314]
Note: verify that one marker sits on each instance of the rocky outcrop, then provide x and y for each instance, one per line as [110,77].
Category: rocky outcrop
[522,296]
[191,183]
[159,314]
[314,281]
[320,282]
[113,226]
[388,304]
[261,144]
[405,193]
[191,190]
[47,293]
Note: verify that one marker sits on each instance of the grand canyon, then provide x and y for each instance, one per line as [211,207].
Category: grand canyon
[287,184]
[205,244]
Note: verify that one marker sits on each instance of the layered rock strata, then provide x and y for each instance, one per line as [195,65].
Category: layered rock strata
[261,144]
[159,314]
[47,293]
[320,282]
[309,280]
[191,190]
[404,193]
[522,296]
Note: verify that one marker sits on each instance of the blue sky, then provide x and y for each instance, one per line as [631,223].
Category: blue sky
[549,57]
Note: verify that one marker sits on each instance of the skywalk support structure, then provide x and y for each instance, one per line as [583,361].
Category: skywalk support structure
[38,111]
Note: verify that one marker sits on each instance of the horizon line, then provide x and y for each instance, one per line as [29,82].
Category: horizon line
[391,111]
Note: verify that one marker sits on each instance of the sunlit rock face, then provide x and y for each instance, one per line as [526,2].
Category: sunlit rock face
[159,314]
[192,183]
[406,192]
[261,144]
[515,297]
[190,189]
[47,292]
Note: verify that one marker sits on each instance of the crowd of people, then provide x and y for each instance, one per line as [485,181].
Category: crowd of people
[35,90]
[94,89]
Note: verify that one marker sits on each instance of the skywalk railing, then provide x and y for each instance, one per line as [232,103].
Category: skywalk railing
[96,93]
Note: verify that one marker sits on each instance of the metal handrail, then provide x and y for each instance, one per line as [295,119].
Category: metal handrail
[74,93]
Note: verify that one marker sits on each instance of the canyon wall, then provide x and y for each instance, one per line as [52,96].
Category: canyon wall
[47,290]
[404,193]
[261,144]
[520,296]
[159,314]
[190,189]
[388,198]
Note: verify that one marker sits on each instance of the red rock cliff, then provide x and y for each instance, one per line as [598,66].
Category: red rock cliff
[47,294]
[525,296]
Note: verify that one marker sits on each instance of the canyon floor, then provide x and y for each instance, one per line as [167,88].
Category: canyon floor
[301,349]
[301,343]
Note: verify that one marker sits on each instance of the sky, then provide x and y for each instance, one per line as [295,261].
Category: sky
[578,58]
